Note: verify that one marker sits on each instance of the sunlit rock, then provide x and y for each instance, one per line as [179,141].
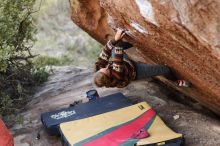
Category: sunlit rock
[182,34]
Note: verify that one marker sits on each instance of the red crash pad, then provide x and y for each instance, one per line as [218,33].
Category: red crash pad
[6,138]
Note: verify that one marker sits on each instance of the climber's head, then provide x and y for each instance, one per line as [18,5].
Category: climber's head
[102,78]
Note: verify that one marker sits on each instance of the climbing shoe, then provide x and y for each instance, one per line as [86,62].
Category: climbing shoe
[183,83]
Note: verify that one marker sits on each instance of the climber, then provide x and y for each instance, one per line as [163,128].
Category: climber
[120,71]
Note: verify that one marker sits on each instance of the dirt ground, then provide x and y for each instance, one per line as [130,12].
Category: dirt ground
[69,84]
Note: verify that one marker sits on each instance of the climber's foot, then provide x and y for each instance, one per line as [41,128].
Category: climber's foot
[183,83]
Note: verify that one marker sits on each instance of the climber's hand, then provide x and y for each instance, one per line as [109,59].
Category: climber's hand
[119,34]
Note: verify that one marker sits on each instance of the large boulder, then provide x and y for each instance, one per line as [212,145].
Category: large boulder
[183,34]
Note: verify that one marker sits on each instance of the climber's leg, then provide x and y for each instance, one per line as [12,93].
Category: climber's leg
[149,70]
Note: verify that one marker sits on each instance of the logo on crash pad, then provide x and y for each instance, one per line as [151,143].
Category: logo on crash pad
[63,114]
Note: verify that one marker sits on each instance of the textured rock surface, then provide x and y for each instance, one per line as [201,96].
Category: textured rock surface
[183,34]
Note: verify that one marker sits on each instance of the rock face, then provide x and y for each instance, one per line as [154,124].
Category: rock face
[183,34]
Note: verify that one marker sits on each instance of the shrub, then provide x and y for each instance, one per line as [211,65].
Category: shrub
[17,75]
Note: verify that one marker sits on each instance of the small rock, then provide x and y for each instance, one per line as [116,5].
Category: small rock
[38,136]
[176,117]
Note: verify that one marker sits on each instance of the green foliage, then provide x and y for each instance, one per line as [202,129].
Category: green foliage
[71,49]
[94,52]
[16,29]
[43,61]
[6,103]
[20,119]
[40,74]
[17,74]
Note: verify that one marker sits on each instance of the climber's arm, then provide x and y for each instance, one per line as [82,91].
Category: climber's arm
[105,54]
[118,65]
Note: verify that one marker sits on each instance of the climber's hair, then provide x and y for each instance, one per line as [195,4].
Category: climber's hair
[101,80]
